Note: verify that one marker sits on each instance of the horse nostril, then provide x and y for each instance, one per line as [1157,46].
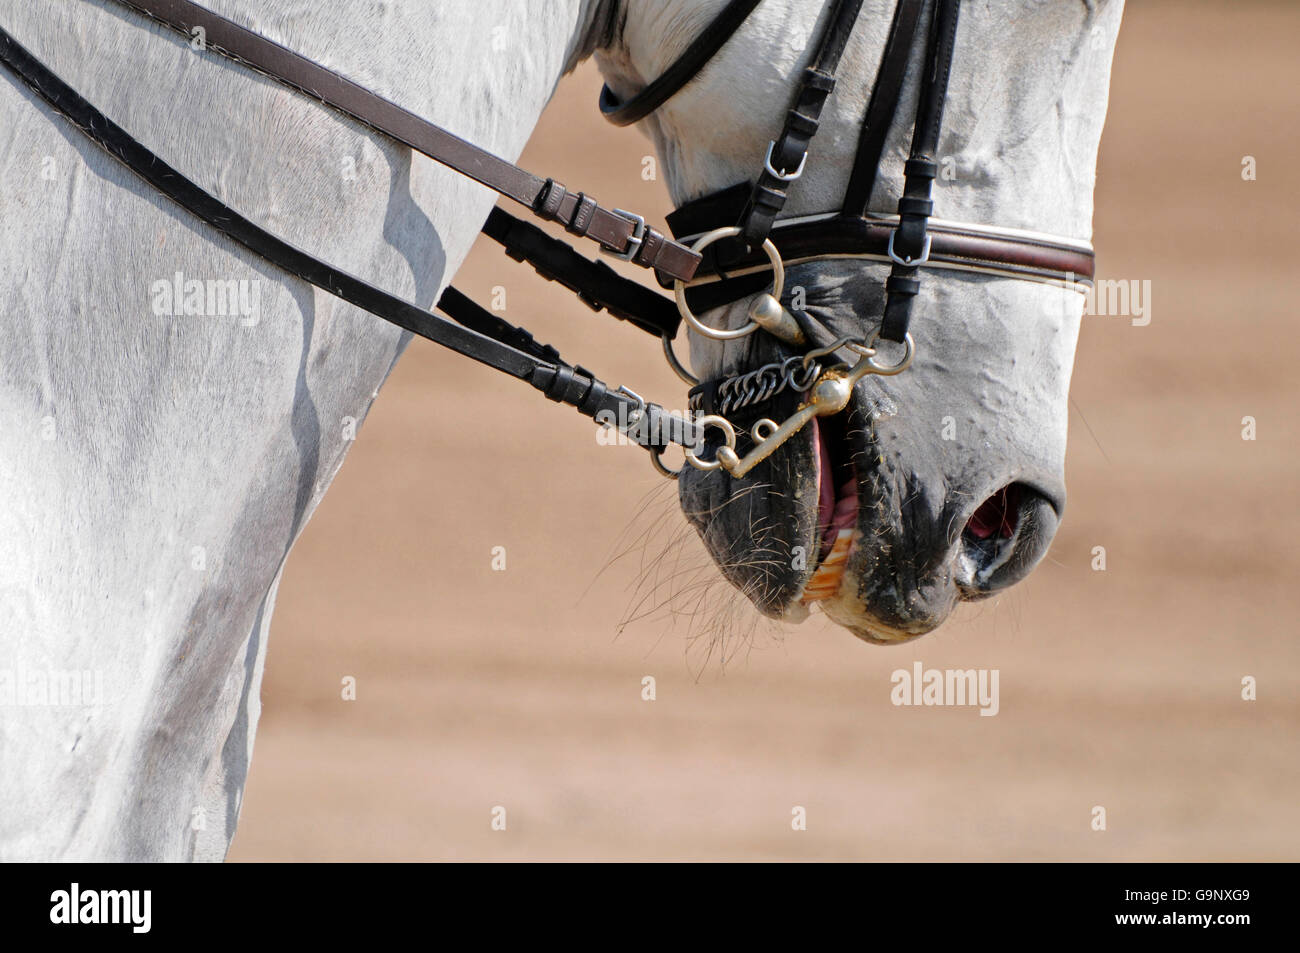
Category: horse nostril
[1004,539]
[997,516]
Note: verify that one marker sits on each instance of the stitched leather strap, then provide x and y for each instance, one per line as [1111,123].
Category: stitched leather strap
[790,150]
[910,241]
[595,283]
[973,247]
[952,246]
[579,213]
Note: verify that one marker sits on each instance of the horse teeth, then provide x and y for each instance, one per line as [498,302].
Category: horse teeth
[826,579]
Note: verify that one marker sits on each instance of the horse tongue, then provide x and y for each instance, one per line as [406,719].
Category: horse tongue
[837,507]
[846,505]
[826,502]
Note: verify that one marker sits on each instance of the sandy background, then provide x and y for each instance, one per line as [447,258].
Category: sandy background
[479,688]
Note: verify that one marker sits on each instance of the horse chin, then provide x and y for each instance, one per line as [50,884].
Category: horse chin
[762,530]
[786,534]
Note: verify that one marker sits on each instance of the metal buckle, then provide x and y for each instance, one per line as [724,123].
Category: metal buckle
[656,458]
[635,242]
[910,262]
[783,176]
[634,417]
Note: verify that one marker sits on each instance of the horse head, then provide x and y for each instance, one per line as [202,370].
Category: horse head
[944,483]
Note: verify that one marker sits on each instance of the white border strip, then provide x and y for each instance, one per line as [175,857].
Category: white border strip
[1082,285]
[991,231]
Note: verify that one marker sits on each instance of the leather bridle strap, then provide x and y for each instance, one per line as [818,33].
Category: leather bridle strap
[682,70]
[595,283]
[786,156]
[910,244]
[621,234]
[486,338]
[954,245]
[882,107]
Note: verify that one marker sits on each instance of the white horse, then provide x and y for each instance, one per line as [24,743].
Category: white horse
[160,459]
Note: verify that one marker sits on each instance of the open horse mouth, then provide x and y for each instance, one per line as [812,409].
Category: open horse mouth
[837,508]
[892,546]
[985,536]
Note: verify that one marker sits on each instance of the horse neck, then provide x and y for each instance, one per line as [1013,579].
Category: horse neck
[1026,101]
[483,68]
[160,465]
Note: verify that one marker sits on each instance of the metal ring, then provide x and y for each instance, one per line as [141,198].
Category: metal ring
[679,286]
[810,374]
[888,370]
[728,431]
[676,365]
[656,459]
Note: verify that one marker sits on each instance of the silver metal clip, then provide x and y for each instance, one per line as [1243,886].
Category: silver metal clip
[635,242]
[783,176]
[904,260]
[633,416]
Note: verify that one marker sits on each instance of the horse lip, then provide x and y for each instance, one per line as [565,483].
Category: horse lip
[878,633]
[859,608]
[771,560]
[796,609]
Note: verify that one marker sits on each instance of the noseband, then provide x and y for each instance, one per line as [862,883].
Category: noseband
[725,247]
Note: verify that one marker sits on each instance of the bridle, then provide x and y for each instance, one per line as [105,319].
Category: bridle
[737,257]
[732,239]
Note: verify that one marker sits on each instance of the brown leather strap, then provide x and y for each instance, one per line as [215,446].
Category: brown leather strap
[621,234]
[953,245]
[1041,258]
